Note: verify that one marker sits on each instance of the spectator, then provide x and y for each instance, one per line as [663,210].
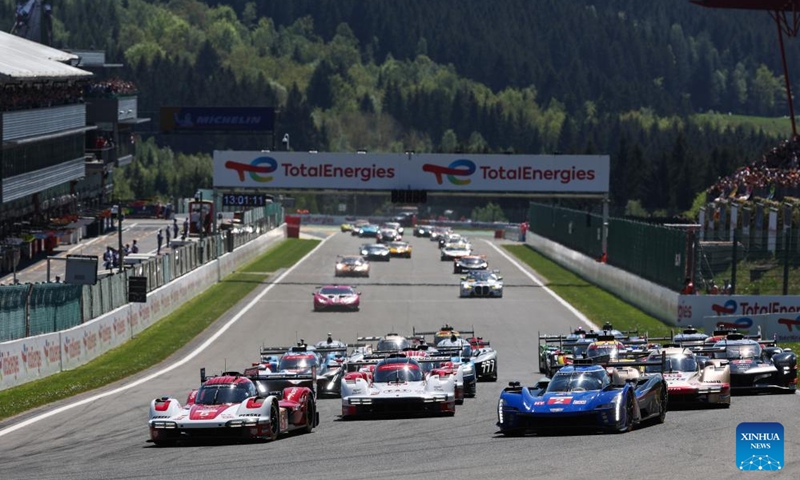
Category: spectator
[175,228]
[185,227]
[108,258]
[168,234]
[135,247]
[688,287]
[127,249]
[159,240]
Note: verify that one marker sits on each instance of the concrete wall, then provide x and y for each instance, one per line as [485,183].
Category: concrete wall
[656,300]
[32,358]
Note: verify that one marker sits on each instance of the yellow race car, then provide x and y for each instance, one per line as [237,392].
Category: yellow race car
[399,249]
[347,227]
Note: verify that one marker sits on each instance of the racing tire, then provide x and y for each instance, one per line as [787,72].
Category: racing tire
[662,414]
[493,378]
[168,440]
[628,425]
[274,421]
[311,413]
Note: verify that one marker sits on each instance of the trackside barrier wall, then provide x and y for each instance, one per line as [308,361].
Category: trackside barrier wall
[654,299]
[32,358]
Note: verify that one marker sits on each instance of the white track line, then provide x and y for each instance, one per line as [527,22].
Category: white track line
[583,318]
[175,365]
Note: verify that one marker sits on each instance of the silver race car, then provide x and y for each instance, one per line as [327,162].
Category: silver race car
[482,283]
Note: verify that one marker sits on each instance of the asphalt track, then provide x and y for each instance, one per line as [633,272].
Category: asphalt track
[107,438]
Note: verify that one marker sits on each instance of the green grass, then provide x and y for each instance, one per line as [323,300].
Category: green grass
[160,340]
[597,304]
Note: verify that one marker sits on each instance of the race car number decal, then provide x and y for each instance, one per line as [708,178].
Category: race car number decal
[559,401]
[488,366]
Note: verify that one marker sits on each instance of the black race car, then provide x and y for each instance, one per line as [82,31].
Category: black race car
[756,366]
[375,251]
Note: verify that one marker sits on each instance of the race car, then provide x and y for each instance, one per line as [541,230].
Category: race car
[236,406]
[470,262]
[484,357]
[453,251]
[556,351]
[756,366]
[458,355]
[368,230]
[336,297]
[584,396]
[389,343]
[351,265]
[450,238]
[329,378]
[438,232]
[693,382]
[482,283]
[347,227]
[386,235]
[397,385]
[423,231]
[394,226]
[399,249]
[375,251]
[357,227]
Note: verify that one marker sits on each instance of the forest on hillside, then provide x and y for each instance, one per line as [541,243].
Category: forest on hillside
[620,77]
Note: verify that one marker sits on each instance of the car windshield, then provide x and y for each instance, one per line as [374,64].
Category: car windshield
[351,260]
[398,372]
[578,381]
[610,351]
[336,291]
[675,363]
[392,345]
[296,364]
[741,351]
[376,248]
[471,260]
[221,394]
[483,276]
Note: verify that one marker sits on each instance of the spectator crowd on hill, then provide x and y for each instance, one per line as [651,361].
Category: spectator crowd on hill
[773,177]
[26,96]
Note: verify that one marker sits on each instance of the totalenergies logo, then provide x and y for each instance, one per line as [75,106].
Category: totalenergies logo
[258,169]
[728,308]
[790,323]
[459,168]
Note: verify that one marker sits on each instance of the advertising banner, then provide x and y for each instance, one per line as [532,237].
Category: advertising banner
[430,172]
[92,339]
[776,326]
[692,309]
[29,359]
[205,119]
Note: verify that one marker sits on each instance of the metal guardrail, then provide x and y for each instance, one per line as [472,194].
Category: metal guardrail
[37,308]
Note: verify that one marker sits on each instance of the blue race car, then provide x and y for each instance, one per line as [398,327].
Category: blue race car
[583,396]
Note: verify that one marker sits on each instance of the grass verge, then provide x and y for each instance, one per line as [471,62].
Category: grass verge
[160,340]
[594,302]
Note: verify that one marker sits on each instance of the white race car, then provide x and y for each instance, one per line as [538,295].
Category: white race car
[234,406]
[398,385]
[482,283]
[451,252]
[688,382]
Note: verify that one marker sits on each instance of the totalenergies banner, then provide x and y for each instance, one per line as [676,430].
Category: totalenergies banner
[431,172]
[692,309]
[778,326]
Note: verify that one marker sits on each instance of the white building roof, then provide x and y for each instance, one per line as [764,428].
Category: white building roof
[22,59]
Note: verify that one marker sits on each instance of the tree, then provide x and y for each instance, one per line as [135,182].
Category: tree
[489,213]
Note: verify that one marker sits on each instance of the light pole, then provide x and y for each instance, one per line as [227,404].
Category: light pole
[116,209]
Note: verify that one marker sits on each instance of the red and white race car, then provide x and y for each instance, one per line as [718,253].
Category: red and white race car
[397,385]
[236,406]
[337,297]
[691,381]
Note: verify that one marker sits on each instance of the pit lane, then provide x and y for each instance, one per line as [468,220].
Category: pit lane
[107,439]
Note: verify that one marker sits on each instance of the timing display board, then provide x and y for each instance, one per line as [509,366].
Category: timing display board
[244,200]
[431,172]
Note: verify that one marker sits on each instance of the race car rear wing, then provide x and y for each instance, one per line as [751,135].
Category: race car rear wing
[274,383]
[662,363]
[446,328]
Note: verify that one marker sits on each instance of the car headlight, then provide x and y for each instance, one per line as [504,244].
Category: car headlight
[339,267]
[500,406]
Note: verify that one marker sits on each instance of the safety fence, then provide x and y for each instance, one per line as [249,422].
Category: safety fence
[654,252]
[34,309]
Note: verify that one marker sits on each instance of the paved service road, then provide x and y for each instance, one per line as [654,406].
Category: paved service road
[142,229]
[107,438]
